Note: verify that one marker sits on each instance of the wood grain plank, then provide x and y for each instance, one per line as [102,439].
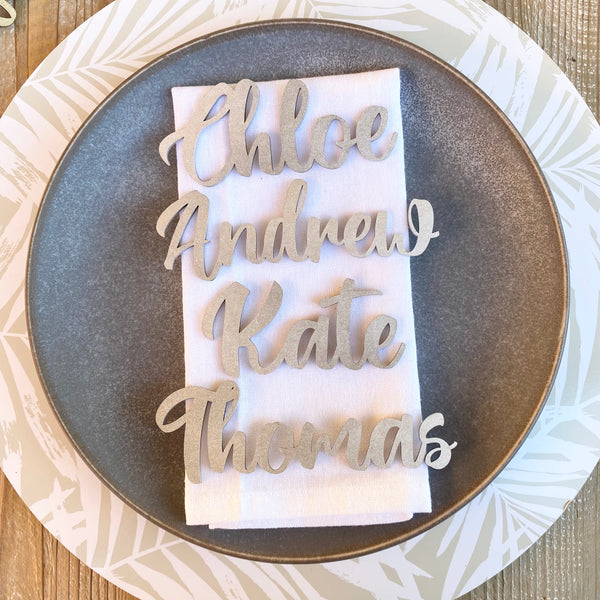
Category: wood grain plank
[42,30]
[85,581]
[50,550]
[68,18]
[21,557]
[13,55]
[63,579]
[8,46]
[3,484]
[20,28]
[99,587]
[74,590]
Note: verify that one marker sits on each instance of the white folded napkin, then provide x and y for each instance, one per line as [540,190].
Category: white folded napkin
[331,493]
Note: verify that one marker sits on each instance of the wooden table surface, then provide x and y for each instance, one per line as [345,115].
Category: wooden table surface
[565,562]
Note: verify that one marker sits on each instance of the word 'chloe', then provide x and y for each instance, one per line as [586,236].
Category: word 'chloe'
[239,104]
[203,404]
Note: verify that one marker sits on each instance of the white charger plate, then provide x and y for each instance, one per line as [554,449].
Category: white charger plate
[446,561]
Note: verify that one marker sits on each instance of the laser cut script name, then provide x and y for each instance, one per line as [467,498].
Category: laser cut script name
[217,407]
[238,105]
[379,333]
[362,235]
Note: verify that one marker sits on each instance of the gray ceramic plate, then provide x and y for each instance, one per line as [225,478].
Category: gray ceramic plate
[105,316]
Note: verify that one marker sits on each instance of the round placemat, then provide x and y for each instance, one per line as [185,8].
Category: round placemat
[451,558]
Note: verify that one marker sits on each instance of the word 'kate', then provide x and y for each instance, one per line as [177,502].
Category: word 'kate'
[379,334]
[362,235]
[239,103]
[201,402]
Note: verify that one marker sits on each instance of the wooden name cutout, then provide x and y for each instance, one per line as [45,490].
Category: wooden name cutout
[238,103]
[379,334]
[362,235]
[212,410]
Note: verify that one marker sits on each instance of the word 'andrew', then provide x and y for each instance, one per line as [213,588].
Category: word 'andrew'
[203,405]
[238,103]
[361,234]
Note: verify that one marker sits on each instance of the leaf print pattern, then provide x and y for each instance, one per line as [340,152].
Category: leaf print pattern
[453,557]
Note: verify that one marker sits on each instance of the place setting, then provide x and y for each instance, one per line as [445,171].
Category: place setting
[300,294]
